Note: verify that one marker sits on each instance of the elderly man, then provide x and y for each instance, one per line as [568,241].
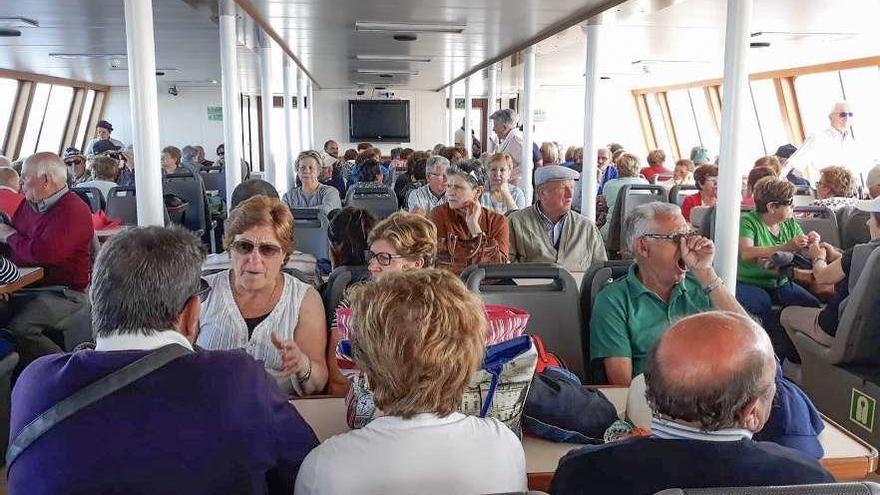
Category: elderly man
[208,421]
[711,384]
[872,182]
[52,230]
[510,140]
[672,277]
[550,230]
[605,169]
[433,194]
[189,160]
[10,197]
[126,169]
[331,147]
[77,172]
[102,133]
[833,146]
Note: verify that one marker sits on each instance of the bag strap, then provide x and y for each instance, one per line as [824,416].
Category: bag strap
[90,394]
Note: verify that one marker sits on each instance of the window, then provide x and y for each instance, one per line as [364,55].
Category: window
[860,88]
[705,121]
[55,119]
[35,120]
[84,119]
[661,135]
[683,119]
[816,94]
[8,92]
[769,118]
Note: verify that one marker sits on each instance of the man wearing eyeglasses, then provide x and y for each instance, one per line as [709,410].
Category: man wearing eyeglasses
[672,277]
[833,146]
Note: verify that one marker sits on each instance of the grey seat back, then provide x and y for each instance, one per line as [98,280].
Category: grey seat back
[92,197]
[554,307]
[310,227]
[631,196]
[595,279]
[214,180]
[339,280]
[190,189]
[699,215]
[122,203]
[820,219]
[380,201]
[853,226]
[850,488]
[678,193]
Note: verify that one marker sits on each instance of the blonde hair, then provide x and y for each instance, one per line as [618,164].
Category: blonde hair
[656,157]
[500,157]
[627,165]
[839,180]
[549,153]
[418,337]
[261,210]
[411,235]
[770,162]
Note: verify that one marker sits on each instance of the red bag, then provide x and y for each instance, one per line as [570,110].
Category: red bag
[545,359]
[100,221]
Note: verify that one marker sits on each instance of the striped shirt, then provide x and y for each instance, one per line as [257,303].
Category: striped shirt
[8,271]
[670,430]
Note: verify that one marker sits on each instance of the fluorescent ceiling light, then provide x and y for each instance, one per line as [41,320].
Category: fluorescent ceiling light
[393,58]
[786,35]
[401,72]
[76,56]
[661,61]
[158,69]
[18,22]
[404,27]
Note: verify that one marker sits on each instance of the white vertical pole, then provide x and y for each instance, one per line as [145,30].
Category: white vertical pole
[450,112]
[281,172]
[301,110]
[266,97]
[490,108]
[231,98]
[528,97]
[310,93]
[736,94]
[591,86]
[468,102]
[141,46]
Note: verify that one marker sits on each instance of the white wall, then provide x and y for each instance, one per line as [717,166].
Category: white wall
[183,119]
[427,118]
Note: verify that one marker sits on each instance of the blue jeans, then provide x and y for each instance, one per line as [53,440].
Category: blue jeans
[759,302]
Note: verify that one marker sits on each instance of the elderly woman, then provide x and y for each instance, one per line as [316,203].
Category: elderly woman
[682,174]
[755,175]
[468,233]
[502,196]
[312,194]
[656,165]
[171,160]
[418,340]
[627,173]
[835,188]
[255,306]
[769,161]
[414,177]
[510,140]
[706,178]
[400,243]
[549,153]
[763,232]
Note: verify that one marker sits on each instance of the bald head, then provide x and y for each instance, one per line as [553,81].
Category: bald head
[9,177]
[714,369]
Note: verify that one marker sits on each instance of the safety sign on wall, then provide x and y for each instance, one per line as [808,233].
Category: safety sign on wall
[861,410]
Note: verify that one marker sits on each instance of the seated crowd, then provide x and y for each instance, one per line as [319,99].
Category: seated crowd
[416,332]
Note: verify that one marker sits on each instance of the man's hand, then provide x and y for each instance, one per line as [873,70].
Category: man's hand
[293,360]
[6,231]
[697,252]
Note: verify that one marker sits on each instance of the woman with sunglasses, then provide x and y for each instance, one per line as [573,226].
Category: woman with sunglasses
[254,306]
[467,232]
[402,242]
[311,194]
[769,229]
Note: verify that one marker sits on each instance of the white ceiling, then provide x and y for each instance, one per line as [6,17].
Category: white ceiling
[321,33]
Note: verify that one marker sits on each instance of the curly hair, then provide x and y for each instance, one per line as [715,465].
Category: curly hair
[628,165]
[411,235]
[839,180]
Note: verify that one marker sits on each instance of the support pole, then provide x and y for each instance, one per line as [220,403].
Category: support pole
[232,137]
[736,95]
[490,106]
[450,112]
[468,102]
[310,101]
[141,46]
[282,172]
[591,86]
[526,117]
[301,110]
[266,99]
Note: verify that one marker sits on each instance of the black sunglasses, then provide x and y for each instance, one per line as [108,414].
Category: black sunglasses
[845,114]
[783,203]
[245,247]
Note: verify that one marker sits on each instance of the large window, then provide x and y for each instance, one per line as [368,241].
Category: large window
[860,87]
[8,92]
[706,124]
[35,120]
[85,117]
[766,107]
[661,134]
[683,120]
[816,94]
[55,119]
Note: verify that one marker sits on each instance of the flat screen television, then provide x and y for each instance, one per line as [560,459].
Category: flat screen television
[378,120]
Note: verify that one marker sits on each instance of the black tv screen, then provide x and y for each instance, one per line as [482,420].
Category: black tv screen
[378,120]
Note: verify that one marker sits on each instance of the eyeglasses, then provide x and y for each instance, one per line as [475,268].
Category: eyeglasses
[246,247]
[788,202]
[844,115]
[384,259]
[75,161]
[675,238]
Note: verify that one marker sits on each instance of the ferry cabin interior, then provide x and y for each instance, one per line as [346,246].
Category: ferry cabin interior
[272,78]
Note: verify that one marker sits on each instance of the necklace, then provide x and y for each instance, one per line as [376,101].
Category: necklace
[265,305]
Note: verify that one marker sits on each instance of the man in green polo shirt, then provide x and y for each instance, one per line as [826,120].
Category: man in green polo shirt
[672,277]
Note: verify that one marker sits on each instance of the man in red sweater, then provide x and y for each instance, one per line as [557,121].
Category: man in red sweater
[53,229]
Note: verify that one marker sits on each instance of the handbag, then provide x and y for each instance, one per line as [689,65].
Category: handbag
[545,359]
[497,390]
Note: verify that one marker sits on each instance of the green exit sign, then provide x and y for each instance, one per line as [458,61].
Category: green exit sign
[861,409]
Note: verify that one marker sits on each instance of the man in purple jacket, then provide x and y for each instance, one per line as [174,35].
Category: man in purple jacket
[206,422]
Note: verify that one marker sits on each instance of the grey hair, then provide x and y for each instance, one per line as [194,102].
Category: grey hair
[714,404]
[143,278]
[48,164]
[642,220]
[505,117]
[188,153]
[434,161]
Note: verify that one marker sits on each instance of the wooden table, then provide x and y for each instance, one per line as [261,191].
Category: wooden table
[846,456]
[27,277]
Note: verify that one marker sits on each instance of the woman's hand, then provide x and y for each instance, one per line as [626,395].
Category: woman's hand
[817,251]
[472,212]
[293,359]
[796,242]
[813,237]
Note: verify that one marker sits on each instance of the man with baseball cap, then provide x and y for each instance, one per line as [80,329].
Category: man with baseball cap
[76,167]
[549,230]
[783,153]
[102,133]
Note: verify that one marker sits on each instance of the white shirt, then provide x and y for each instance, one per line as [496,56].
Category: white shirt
[829,147]
[102,185]
[512,145]
[425,454]
[140,342]
[424,199]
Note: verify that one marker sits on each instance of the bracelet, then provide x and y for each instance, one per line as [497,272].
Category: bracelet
[718,282]
[303,379]
[820,258]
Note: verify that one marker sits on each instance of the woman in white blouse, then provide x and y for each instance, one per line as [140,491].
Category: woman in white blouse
[418,340]
[501,196]
[275,317]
